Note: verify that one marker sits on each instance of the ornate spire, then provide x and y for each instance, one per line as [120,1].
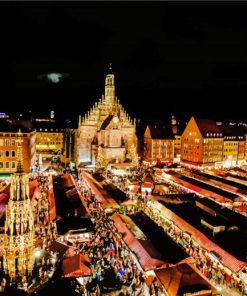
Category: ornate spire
[18,242]
[19,152]
[110,66]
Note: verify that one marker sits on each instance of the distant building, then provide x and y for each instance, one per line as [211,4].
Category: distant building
[234,145]
[159,144]
[8,147]
[202,143]
[49,137]
[106,134]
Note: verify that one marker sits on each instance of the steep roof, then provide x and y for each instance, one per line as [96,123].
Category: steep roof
[234,131]
[106,122]
[209,128]
[158,132]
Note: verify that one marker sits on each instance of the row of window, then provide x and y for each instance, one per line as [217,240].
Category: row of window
[162,144]
[7,165]
[230,144]
[7,153]
[46,130]
[157,155]
[49,138]
[214,135]
[230,150]
[49,143]
[7,142]
[234,137]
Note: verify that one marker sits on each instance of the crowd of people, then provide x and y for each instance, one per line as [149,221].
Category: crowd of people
[208,267]
[214,272]
[113,264]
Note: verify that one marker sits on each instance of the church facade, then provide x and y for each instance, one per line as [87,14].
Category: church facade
[106,134]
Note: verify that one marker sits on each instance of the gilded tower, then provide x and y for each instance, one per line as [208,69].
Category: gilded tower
[107,134]
[18,257]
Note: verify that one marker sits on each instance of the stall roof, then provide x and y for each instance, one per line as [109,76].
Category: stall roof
[105,200]
[182,277]
[146,260]
[77,265]
[227,259]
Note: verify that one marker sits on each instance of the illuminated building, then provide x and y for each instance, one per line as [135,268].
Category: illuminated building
[8,148]
[3,115]
[49,137]
[234,146]
[18,242]
[202,143]
[106,134]
[159,144]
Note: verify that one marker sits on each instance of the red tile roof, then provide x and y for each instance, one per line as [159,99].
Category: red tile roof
[77,265]
[183,275]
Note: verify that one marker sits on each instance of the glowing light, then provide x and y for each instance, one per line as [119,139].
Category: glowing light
[37,253]
[54,77]
[53,260]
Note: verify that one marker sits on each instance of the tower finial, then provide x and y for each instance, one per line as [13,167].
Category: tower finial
[110,66]
[19,152]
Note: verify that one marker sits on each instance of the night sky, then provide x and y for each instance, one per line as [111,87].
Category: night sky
[183,58]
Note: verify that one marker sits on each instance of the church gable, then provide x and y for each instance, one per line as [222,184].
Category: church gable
[106,128]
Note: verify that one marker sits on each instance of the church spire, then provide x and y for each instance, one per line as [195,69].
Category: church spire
[19,152]
[110,67]
[110,86]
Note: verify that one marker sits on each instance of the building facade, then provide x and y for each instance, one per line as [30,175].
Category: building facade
[234,146]
[8,151]
[202,143]
[49,137]
[159,144]
[106,134]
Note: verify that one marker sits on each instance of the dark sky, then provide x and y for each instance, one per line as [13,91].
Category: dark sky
[186,58]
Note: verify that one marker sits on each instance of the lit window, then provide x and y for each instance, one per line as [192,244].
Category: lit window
[7,165]
[7,142]
[13,165]
[1,165]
